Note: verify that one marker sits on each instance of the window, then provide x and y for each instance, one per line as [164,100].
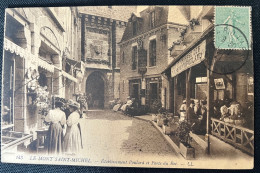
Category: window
[134,58]
[152,53]
[134,27]
[152,18]
[9,97]
[123,58]
[123,88]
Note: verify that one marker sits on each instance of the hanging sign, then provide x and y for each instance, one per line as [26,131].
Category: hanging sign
[142,61]
[194,57]
[219,83]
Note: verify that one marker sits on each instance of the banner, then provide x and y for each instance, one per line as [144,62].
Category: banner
[194,57]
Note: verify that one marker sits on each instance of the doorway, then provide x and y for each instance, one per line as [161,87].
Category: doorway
[153,92]
[135,93]
[95,88]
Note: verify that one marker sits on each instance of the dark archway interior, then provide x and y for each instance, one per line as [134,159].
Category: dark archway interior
[95,91]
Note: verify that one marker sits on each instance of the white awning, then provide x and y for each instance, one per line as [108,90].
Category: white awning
[69,76]
[45,65]
[23,53]
[14,48]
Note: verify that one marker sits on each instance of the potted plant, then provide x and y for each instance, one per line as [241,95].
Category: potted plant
[162,117]
[172,126]
[166,119]
[186,150]
[154,108]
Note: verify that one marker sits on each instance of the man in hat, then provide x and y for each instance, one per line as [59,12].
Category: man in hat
[197,107]
[224,110]
[192,117]
[203,117]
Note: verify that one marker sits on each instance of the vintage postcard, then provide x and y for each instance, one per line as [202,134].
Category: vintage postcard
[128,86]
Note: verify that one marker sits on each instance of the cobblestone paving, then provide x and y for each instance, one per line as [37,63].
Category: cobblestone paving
[144,138]
[134,136]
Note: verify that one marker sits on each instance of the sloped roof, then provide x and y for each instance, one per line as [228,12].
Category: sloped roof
[178,15]
[164,15]
[136,14]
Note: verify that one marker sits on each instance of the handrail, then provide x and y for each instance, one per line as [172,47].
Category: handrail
[236,135]
[232,125]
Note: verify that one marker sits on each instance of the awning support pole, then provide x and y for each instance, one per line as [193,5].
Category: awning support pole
[188,74]
[208,111]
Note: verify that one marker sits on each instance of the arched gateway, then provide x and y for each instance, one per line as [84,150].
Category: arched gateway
[95,90]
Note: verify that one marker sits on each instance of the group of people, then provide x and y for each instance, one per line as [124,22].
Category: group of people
[195,114]
[64,134]
[127,107]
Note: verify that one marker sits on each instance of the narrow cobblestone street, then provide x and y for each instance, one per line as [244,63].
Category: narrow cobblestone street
[111,134]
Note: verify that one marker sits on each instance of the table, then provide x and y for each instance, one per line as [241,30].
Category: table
[41,134]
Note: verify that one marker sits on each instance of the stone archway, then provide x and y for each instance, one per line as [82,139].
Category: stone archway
[95,90]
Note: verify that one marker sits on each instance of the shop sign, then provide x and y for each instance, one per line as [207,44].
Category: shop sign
[219,83]
[194,57]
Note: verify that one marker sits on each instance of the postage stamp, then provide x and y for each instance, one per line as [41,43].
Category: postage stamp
[128,86]
[232,27]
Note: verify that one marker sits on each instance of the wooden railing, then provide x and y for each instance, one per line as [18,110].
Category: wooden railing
[238,136]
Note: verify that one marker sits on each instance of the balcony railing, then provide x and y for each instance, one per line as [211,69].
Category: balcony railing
[238,136]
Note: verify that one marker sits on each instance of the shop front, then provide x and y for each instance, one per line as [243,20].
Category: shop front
[148,89]
[12,98]
[217,85]
[29,82]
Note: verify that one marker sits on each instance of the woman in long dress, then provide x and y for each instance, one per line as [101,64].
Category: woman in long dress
[72,139]
[57,119]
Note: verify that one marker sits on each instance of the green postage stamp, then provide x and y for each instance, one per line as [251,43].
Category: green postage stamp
[233,28]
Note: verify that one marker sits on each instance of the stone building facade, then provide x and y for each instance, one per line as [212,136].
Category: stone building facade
[101,29]
[144,53]
[38,44]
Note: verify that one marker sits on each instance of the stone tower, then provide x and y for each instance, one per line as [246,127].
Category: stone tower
[101,29]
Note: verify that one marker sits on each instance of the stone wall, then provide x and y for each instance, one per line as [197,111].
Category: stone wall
[121,13]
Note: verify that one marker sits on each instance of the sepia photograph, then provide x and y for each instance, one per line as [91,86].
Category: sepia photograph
[128,86]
